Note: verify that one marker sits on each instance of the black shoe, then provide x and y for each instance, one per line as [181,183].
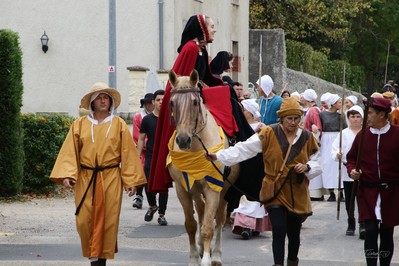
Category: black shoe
[362,231]
[255,233]
[246,233]
[350,232]
[138,202]
[351,227]
[332,197]
[162,220]
[317,199]
[150,214]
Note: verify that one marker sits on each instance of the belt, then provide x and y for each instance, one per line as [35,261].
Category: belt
[382,185]
[93,180]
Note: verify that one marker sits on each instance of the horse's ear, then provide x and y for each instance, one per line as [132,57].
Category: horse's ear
[194,78]
[172,78]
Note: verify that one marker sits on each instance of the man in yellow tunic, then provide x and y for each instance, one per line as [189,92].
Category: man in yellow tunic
[100,158]
[291,202]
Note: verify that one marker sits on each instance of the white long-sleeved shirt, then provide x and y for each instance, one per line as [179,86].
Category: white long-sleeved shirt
[252,146]
[348,136]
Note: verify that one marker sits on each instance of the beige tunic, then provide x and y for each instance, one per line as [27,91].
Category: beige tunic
[97,224]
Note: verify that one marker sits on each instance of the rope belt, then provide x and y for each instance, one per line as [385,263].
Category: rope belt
[93,180]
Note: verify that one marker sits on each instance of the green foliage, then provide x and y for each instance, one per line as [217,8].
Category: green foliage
[303,57]
[361,32]
[11,87]
[43,138]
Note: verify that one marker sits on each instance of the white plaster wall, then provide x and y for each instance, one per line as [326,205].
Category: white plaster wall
[78,46]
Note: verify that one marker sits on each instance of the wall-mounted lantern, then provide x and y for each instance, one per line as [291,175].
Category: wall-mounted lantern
[44,39]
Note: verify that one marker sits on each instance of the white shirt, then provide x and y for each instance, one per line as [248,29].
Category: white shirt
[348,136]
[251,147]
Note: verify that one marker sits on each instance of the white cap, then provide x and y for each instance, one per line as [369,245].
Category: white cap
[358,109]
[266,84]
[251,106]
[324,96]
[331,99]
[352,98]
[309,95]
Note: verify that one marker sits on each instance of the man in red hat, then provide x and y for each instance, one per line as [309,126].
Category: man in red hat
[378,177]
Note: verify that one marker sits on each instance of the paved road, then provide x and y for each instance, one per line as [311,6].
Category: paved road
[42,232]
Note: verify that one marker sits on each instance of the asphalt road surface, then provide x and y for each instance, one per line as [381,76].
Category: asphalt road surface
[42,232]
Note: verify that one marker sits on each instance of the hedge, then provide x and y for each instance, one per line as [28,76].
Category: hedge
[11,87]
[43,138]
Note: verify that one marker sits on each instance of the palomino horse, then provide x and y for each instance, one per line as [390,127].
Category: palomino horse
[196,179]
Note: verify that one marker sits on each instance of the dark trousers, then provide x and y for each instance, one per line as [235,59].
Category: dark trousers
[151,197]
[284,224]
[348,186]
[371,250]
[139,191]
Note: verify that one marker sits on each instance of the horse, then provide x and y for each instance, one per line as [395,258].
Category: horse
[197,131]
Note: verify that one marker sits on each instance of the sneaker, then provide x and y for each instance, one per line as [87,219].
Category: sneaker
[138,202]
[162,220]
[150,213]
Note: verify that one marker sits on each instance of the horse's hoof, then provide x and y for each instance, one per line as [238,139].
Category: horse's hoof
[216,263]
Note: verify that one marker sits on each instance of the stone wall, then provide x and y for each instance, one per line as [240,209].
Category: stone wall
[138,88]
[274,64]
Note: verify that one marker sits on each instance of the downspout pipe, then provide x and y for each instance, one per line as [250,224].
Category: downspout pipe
[161,44]
[112,44]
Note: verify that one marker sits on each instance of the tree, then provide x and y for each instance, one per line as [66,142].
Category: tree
[322,24]
[375,38]
[362,32]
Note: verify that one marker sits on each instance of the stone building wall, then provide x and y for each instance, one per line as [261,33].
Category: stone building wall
[274,64]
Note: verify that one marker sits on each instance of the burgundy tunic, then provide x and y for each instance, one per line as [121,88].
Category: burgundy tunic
[383,158]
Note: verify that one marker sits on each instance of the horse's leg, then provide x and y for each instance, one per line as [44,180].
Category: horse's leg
[211,206]
[221,216]
[220,220]
[200,208]
[190,223]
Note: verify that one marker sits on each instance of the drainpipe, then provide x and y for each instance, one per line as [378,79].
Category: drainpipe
[161,53]
[112,44]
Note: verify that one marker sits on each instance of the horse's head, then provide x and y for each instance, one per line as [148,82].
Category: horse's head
[186,108]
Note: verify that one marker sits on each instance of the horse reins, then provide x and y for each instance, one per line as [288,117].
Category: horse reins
[289,176]
[196,135]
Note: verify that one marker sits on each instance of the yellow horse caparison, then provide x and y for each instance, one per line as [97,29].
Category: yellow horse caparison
[193,121]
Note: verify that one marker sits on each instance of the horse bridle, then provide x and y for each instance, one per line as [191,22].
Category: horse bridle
[196,92]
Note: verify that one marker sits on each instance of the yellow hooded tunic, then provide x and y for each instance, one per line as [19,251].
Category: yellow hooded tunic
[106,145]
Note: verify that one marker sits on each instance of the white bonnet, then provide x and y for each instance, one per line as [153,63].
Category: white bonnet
[251,106]
[358,109]
[352,98]
[309,95]
[331,99]
[266,83]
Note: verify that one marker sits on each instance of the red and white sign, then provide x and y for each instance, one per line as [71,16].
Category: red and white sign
[111,69]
